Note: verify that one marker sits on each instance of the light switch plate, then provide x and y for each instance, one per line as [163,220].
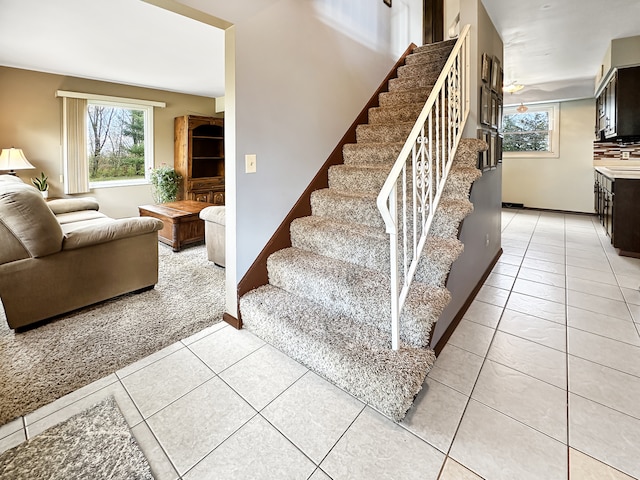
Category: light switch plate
[625,155]
[250,163]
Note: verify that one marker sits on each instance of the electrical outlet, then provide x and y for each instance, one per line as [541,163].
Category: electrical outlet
[250,163]
[625,155]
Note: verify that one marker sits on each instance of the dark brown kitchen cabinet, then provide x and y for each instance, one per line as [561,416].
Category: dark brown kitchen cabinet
[616,201]
[603,194]
[618,105]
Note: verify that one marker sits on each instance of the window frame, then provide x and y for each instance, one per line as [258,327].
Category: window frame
[149,129]
[148,143]
[554,130]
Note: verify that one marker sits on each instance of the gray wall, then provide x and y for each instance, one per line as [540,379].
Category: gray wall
[484,222]
[299,84]
[297,74]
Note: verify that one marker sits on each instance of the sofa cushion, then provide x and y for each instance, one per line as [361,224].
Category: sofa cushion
[66,205]
[79,216]
[25,214]
[111,230]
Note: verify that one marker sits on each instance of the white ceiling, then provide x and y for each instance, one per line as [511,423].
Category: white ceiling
[122,41]
[552,47]
[555,47]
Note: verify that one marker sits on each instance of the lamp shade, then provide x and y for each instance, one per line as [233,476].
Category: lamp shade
[13,159]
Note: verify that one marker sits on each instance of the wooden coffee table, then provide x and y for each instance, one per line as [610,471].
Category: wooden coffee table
[182,225]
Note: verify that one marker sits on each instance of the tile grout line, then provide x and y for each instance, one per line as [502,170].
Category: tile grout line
[215,375]
[523,373]
[566,357]
[464,411]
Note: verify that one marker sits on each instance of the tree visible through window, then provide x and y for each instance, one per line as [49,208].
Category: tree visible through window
[526,132]
[116,143]
[532,132]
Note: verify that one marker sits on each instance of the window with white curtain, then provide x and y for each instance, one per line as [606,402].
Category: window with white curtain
[107,141]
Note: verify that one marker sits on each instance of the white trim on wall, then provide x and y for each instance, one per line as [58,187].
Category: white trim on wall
[109,98]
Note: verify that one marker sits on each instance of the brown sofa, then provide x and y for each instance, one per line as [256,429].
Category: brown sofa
[64,254]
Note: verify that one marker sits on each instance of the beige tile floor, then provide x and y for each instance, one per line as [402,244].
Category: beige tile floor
[541,380]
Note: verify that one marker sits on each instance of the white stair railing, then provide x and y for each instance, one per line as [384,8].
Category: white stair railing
[410,195]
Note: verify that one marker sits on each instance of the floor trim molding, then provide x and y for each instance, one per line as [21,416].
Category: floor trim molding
[231,320]
[456,320]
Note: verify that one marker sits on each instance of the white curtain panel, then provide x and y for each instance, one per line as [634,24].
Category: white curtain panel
[76,170]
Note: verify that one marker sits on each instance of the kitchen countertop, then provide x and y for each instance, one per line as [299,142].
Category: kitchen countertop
[620,172]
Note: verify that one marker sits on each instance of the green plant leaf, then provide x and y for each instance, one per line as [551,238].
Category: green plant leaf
[166,183]
[41,182]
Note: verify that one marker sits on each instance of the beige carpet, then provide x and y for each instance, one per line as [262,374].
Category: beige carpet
[40,365]
[94,444]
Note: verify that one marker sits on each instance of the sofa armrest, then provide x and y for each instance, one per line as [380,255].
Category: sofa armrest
[215,214]
[107,232]
[66,205]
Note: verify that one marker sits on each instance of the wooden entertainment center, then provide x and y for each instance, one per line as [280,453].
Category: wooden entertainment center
[199,158]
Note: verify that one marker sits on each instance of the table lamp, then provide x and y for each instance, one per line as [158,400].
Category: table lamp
[13,159]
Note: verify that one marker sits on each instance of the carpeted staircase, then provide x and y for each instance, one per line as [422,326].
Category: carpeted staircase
[327,303]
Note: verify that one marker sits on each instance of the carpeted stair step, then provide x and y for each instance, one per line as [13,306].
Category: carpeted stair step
[371,153]
[395,114]
[369,247]
[383,133]
[413,82]
[436,47]
[422,68]
[460,179]
[439,55]
[450,212]
[403,97]
[462,175]
[468,149]
[361,294]
[359,205]
[347,241]
[358,178]
[347,207]
[355,357]
[436,260]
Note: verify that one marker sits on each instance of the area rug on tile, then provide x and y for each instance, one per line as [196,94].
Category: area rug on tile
[44,363]
[93,444]
[327,303]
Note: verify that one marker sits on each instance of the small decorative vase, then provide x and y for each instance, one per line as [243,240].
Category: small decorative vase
[45,194]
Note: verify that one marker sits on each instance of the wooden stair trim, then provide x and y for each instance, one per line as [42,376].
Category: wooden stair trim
[257,275]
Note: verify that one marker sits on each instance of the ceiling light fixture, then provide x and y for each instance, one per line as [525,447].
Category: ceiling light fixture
[522,108]
[512,87]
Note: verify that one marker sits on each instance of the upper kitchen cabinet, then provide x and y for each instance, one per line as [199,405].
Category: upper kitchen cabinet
[618,105]
[617,91]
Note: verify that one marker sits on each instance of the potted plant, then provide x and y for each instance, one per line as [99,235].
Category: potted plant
[165,182]
[42,184]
